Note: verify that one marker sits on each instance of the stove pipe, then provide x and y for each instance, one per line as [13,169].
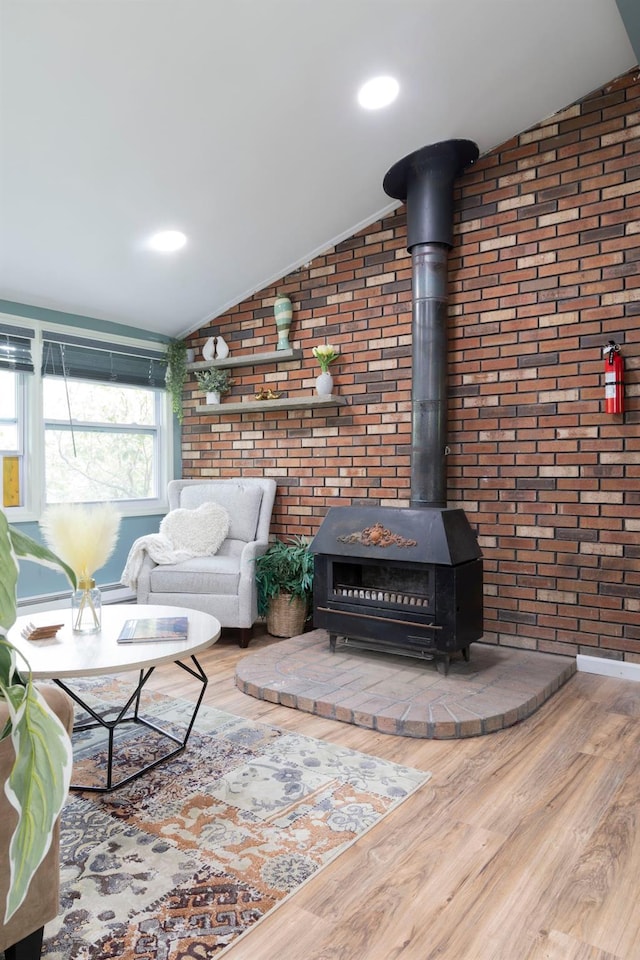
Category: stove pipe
[424,181]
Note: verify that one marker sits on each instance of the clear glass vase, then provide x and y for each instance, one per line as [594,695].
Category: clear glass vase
[86,607]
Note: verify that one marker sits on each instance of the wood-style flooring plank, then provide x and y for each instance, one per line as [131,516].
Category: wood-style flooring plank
[595,905]
[524,845]
[553,945]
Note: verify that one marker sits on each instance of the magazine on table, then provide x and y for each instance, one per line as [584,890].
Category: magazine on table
[150,629]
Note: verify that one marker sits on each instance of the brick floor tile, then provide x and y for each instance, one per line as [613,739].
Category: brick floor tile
[398,695]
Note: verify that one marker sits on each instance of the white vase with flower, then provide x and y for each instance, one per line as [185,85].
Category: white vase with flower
[325,354]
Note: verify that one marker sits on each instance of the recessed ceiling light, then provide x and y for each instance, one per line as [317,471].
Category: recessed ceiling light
[166,241]
[378,92]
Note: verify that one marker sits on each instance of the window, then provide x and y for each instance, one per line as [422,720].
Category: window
[101,441]
[15,364]
[12,440]
[102,413]
[91,422]
[9,432]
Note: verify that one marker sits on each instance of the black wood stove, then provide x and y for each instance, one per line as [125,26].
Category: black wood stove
[410,580]
[400,581]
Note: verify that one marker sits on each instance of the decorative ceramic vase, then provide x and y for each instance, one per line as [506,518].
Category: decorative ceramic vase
[324,384]
[209,349]
[283,312]
[86,607]
[222,349]
[213,396]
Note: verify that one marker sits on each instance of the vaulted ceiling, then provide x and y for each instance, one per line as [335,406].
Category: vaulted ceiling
[236,121]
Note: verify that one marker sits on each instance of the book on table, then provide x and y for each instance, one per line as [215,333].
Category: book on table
[150,629]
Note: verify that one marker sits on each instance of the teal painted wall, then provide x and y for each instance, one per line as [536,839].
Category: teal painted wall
[77,320]
[630,13]
[35,580]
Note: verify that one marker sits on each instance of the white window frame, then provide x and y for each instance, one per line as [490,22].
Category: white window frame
[34,493]
[22,423]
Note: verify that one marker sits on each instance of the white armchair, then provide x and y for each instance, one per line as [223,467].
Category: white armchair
[223,585]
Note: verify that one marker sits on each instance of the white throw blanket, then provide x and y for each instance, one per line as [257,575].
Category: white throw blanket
[183,534]
[159,548]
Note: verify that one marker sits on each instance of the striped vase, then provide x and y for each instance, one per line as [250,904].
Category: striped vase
[283,311]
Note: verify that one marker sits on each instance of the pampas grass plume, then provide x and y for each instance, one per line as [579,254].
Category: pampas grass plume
[83,535]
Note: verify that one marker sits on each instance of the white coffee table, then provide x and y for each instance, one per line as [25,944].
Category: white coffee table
[69,655]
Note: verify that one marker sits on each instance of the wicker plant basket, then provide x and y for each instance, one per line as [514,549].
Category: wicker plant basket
[286,615]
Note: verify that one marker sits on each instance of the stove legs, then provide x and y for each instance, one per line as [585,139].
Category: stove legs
[443,662]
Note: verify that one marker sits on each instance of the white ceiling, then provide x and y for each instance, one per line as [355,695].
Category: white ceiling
[236,121]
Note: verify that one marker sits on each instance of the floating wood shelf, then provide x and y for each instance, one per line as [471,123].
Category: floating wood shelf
[258,406]
[284,403]
[247,360]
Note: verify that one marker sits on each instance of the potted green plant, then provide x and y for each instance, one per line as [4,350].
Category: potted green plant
[176,374]
[215,383]
[40,776]
[284,577]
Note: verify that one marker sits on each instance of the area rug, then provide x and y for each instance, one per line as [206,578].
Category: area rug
[181,862]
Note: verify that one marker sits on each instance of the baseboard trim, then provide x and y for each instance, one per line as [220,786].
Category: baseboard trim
[606,667]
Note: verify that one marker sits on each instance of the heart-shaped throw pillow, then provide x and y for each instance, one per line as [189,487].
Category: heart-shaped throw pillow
[200,531]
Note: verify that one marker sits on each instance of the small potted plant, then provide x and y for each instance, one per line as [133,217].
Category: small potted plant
[215,383]
[284,576]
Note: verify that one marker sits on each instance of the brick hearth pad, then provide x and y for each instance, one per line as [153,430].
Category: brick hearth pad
[497,688]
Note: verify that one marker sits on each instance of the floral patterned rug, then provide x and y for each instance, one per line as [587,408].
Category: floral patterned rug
[178,864]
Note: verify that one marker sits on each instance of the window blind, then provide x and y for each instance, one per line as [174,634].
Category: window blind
[83,359]
[15,348]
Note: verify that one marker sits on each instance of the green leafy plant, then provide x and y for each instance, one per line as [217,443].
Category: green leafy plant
[176,374]
[284,568]
[39,780]
[215,380]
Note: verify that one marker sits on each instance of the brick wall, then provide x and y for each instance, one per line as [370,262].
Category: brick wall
[544,271]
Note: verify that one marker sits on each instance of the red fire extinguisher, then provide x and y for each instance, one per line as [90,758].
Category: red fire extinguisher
[613,378]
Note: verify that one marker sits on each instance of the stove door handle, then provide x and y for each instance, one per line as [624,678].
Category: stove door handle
[371,616]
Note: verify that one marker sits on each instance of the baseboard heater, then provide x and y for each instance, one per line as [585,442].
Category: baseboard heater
[111,593]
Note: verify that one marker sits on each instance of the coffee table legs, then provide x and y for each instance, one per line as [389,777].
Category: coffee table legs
[123,716]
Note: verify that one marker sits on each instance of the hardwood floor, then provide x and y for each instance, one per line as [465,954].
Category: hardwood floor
[524,845]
